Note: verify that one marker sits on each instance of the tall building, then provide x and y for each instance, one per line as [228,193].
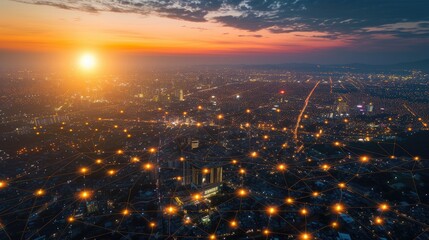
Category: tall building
[199,175]
[342,107]
[181,96]
[370,108]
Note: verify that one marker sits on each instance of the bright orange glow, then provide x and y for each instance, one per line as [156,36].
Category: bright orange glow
[84,170]
[125,212]
[338,208]
[342,185]
[364,159]
[242,192]
[378,220]
[70,219]
[281,167]
[212,237]
[135,159]
[254,154]
[111,172]
[120,151]
[289,200]
[196,197]
[334,224]
[171,210]
[266,232]
[305,236]
[206,170]
[242,171]
[40,192]
[98,161]
[315,194]
[304,211]
[233,224]
[152,150]
[271,210]
[325,167]
[384,207]
[148,166]
[84,195]
[87,61]
[152,224]
[3,184]
[234,161]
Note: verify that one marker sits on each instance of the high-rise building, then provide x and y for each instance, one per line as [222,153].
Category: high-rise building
[370,108]
[202,174]
[342,107]
[181,96]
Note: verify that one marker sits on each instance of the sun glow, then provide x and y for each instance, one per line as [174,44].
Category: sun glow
[87,61]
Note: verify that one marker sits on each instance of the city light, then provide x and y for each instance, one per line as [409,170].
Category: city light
[70,219]
[233,224]
[364,159]
[84,170]
[196,197]
[125,212]
[111,172]
[384,207]
[378,220]
[170,210]
[254,154]
[271,210]
[148,166]
[304,211]
[39,192]
[85,194]
[281,167]
[305,236]
[242,192]
[338,208]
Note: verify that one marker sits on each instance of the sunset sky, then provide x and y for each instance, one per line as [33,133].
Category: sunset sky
[216,31]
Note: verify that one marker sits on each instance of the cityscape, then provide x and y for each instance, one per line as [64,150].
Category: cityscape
[236,140]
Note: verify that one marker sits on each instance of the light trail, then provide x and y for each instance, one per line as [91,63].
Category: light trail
[295,132]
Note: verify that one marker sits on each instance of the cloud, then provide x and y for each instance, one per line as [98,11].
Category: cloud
[333,18]
[251,35]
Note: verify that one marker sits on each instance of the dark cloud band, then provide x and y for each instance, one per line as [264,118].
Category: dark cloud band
[333,17]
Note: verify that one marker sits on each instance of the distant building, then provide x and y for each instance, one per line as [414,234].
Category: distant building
[370,108]
[54,119]
[195,144]
[181,96]
[342,107]
[202,174]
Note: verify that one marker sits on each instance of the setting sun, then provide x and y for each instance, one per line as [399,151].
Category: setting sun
[87,61]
